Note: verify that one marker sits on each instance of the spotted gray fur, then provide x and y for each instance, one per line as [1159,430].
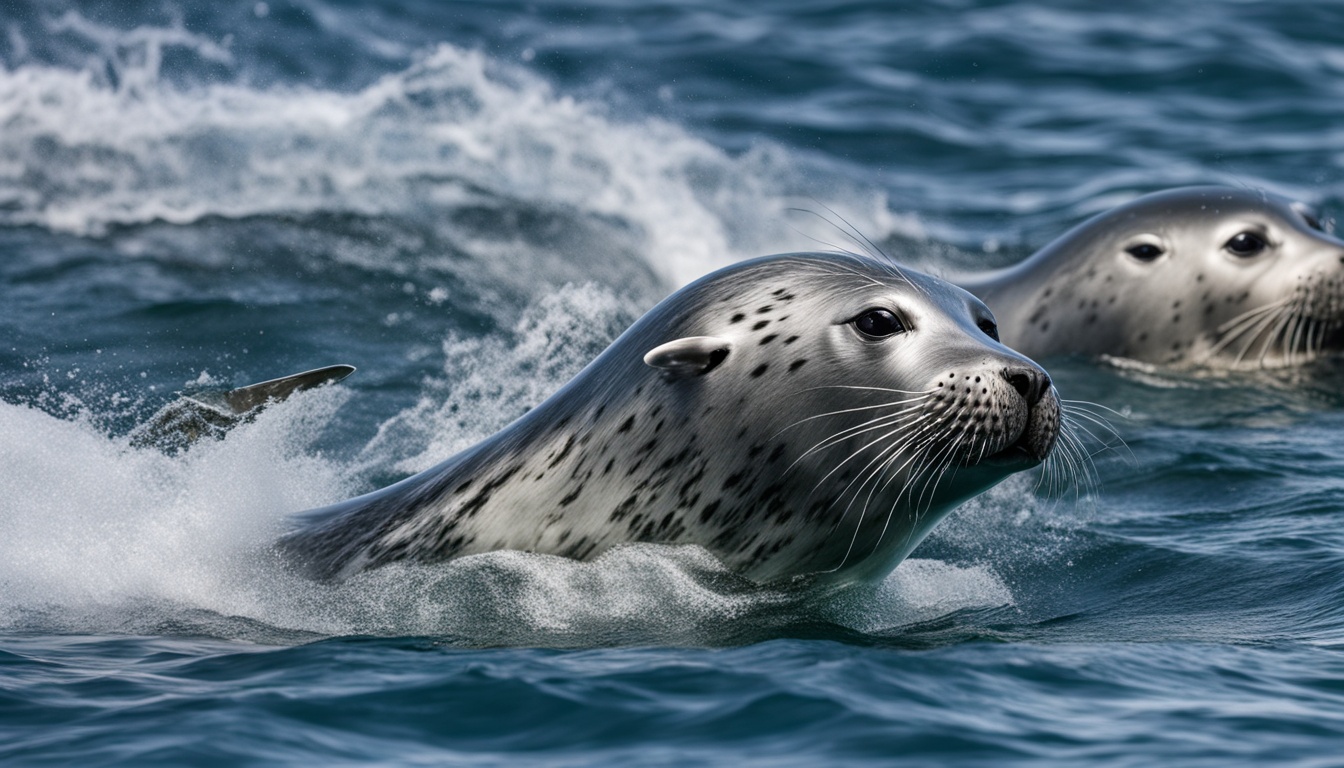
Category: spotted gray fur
[1161,280]
[806,447]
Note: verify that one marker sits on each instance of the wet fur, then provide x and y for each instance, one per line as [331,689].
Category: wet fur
[1197,305]
[806,450]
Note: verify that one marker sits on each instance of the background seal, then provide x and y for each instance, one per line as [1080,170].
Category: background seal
[1199,276]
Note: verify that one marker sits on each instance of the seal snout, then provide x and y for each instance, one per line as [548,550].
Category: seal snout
[1043,422]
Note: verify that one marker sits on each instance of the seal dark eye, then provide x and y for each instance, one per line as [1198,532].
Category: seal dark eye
[990,328]
[878,323]
[1144,251]
[1246,244]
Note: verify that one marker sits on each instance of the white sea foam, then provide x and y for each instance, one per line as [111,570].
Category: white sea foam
[86,520]
[82,152]
[488,382]
[96,537]
[918,590]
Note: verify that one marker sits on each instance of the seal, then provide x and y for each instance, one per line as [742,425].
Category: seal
[795,414]
[1213,277]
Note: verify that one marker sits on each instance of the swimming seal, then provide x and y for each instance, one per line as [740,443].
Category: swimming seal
[1200,276]
[795,414]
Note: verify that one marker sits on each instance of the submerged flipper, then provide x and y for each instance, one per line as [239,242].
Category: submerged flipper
[213,413]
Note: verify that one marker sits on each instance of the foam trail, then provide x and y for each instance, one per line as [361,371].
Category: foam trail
[489,382]
[918,590]
[135,541]
[83,154]
[86,520]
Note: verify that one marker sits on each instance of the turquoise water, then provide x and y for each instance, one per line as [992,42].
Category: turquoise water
[468,201]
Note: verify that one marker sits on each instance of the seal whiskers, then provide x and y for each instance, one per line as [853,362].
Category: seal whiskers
[1071,465]
[804,414]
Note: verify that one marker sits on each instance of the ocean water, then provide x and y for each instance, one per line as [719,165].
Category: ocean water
[470,200]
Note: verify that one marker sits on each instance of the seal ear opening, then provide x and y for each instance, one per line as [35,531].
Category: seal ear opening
[690,356]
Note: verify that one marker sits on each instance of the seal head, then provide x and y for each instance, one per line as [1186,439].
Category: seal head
[1200,276]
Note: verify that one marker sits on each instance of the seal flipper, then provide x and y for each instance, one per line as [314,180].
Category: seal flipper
[212,414]
[254,396]
[689,356]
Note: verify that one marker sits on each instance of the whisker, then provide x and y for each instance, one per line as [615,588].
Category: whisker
[852,432]
[1276,334]
[891,452]
[1261,326]
[1238,326]
[850,410]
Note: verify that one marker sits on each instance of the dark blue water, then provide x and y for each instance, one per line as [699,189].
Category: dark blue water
[468,201]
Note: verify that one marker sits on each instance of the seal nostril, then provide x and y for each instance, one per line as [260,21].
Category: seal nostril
[1030,383]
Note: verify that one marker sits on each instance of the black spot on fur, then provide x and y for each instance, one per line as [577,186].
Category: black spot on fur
[760,325]
[791,339]
[626,425]
[769,339]
[623,510]
[691,483]
[796,364]
[760,369]
[482,497]
[765,309]
[673,461]
[737,318]
[566,501]
[569,444]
